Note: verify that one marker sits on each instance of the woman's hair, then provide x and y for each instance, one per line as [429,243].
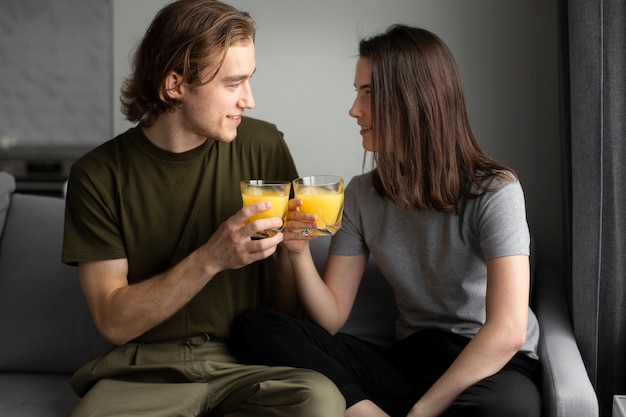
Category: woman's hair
[426,156]
[188,37]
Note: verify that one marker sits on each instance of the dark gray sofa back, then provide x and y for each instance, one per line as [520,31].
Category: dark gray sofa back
[45,324]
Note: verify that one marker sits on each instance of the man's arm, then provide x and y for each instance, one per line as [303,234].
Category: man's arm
[123,312]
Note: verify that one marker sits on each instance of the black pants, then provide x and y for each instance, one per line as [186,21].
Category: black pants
[392,377]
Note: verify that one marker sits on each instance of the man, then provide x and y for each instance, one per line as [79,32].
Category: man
[154,223]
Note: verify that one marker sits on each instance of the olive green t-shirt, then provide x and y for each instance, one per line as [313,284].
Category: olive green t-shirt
[129,199]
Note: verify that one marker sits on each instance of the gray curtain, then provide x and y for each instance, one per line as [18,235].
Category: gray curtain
[593,116]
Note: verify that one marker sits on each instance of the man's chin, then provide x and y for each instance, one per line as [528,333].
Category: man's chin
[225,137]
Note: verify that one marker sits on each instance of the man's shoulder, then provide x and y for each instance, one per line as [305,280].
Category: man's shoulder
[107,151]
[105,161]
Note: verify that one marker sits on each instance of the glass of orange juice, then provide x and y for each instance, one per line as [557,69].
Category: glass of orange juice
[321,195]
[274,191]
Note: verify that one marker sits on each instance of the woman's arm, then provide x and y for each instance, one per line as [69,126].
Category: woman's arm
[328,300]
[502,335]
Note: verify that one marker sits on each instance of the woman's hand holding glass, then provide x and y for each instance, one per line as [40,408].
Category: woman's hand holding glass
[296,235]
[316,210]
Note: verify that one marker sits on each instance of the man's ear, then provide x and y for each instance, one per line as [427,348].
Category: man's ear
[172,86]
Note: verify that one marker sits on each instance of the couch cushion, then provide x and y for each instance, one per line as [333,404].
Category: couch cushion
[36,395]
[7,185]
[45,325]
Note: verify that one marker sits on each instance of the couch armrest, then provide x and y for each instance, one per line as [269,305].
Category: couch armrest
[567,390]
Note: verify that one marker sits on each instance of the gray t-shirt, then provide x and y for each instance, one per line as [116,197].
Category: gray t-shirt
[436,261]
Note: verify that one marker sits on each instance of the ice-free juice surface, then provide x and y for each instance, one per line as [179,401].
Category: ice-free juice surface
[325,204]
[278,201]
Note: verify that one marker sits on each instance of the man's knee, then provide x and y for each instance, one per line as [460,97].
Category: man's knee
[323,399]
[288,393]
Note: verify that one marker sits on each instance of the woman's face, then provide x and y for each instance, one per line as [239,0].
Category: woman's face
[361,109]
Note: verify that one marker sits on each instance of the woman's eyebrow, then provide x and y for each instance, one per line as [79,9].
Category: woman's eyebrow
[362,87]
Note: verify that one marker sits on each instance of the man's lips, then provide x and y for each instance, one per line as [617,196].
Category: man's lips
[236,119]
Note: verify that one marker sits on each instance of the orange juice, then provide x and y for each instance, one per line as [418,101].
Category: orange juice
[277,199]
[326,204]
[274,192]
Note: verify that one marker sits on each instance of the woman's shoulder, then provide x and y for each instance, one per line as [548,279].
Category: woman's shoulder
[498,180]
[361,180]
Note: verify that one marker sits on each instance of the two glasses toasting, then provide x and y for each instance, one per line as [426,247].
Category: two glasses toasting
[321,195]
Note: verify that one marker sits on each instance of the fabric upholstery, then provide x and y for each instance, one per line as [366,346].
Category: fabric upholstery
[42,309]
[567,390]
[36,395]
[7,185]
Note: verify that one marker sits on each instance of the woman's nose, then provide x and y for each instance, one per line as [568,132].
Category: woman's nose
[354,110]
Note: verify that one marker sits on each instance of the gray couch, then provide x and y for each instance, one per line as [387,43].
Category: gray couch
[46,331]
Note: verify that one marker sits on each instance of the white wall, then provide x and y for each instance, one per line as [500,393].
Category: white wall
[306,52]
[55,80]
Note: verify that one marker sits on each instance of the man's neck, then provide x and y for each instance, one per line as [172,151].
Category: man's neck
[170,136]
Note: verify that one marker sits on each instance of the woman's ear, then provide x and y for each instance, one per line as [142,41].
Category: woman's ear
[172,86]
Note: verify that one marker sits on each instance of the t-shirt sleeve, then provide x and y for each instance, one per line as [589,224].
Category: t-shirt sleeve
[501,222]
[91,230]
[349,240]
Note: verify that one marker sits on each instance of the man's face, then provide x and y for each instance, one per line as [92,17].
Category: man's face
[214,109]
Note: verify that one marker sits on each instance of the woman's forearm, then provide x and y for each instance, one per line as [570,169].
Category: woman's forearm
[318,301]
[484,356]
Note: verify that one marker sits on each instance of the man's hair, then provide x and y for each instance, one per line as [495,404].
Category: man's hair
[426,156]
[190,37]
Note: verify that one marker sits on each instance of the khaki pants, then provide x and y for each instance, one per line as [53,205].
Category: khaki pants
[195,378]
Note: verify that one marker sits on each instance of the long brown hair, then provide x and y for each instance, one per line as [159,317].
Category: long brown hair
[189,37]
[426,156]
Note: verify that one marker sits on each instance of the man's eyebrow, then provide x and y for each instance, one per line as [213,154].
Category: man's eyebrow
[239,77]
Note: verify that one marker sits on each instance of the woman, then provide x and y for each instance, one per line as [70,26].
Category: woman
[446,225]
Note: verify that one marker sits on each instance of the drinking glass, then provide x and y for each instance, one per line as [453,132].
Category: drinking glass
[276,192]
[321,195]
